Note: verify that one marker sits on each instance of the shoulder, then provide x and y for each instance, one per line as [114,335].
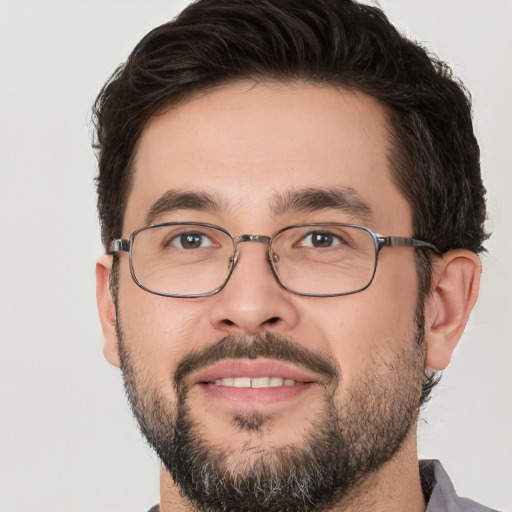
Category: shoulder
[440,492]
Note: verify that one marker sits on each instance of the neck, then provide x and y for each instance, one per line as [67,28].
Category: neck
[395,487]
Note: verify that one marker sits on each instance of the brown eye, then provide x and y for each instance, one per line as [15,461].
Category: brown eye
[320,239]
[191,240]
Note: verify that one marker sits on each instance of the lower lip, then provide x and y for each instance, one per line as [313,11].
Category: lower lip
[254,396]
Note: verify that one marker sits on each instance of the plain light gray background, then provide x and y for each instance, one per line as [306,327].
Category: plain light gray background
[67,439]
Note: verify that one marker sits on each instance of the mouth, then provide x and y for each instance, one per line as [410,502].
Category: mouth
[255,382]
[250,382]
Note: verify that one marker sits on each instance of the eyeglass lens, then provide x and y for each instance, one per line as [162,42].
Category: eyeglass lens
[197,259]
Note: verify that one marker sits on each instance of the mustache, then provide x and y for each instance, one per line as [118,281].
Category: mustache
[267,345]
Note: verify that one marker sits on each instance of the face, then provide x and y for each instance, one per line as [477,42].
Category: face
[353,364]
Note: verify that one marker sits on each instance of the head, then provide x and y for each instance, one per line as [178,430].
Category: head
[198,112]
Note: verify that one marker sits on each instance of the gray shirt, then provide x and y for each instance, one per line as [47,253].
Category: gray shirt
[443,498]
[438,490]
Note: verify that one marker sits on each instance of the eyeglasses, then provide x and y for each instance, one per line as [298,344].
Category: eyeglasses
[193,259]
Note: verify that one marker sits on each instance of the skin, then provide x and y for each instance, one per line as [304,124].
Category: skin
[243,144]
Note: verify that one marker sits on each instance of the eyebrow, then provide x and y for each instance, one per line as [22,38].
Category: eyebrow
[173,200]
[344,199]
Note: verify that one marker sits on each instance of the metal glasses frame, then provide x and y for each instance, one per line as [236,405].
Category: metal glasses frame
[126,245]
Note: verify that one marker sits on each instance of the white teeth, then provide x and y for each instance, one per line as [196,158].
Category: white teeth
[260,382]
[275,382]
[242,382]
[255,382]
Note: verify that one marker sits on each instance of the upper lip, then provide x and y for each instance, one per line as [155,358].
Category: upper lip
[252,368]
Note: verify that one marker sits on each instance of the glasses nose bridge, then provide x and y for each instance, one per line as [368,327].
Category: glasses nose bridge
[259,239]
[262,239]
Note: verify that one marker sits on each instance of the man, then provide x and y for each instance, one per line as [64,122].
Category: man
[292,208]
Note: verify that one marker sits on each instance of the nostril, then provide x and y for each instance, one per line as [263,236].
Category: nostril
[273,320]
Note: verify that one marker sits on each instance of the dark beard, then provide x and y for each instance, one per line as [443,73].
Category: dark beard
[343,447]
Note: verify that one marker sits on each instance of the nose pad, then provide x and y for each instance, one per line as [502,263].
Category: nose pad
[233,260]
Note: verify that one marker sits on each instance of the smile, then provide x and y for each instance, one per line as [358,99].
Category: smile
[256,373]
[248,383]
[255,382]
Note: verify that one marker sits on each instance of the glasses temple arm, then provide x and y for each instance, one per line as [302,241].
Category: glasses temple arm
[119,245]
[399,241]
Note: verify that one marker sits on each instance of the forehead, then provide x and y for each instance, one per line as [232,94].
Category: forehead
[248,146]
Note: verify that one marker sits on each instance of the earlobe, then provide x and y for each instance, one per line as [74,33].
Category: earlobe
[107,310]
[455,284]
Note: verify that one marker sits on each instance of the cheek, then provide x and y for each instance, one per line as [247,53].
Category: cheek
[367,329]
[158,329]
[394,293]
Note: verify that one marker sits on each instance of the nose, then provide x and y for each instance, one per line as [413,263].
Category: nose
[253,301]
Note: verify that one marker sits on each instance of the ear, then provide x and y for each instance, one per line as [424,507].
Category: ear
[107,310]
[455,283]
